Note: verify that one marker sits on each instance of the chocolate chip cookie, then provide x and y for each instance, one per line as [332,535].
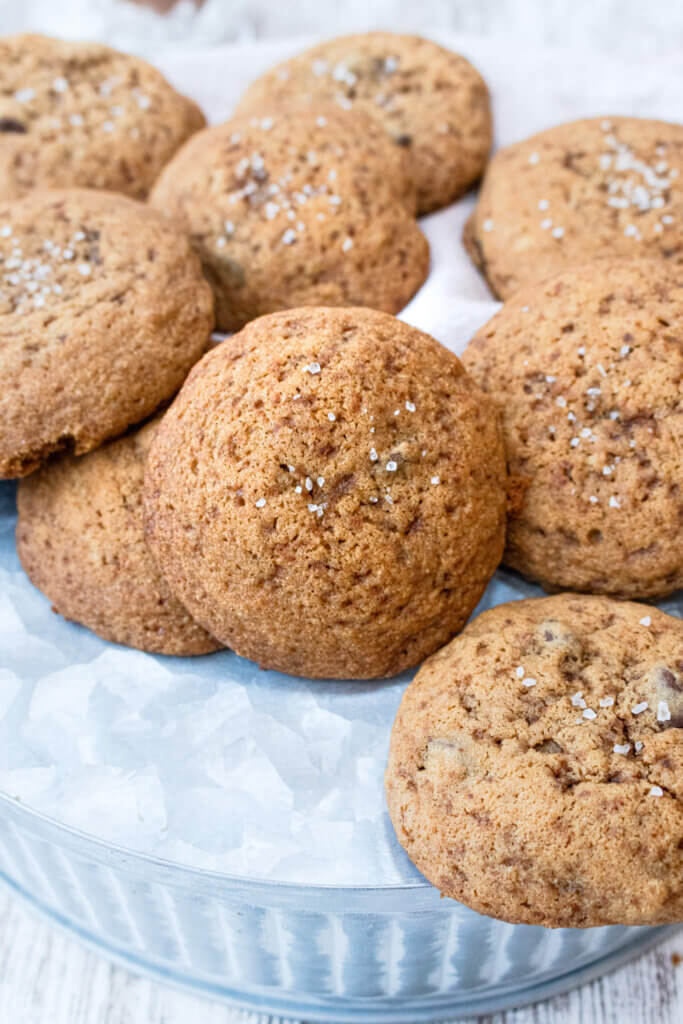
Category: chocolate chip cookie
[81,114]
[599,187]
[103,310]
[326,495]
[432,102]
[298,208]
[536,764]
[586,369]
[80,539]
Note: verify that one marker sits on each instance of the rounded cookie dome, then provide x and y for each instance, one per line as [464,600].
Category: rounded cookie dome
[326,495]
[536,764]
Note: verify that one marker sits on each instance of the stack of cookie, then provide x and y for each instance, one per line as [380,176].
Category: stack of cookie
[330,491]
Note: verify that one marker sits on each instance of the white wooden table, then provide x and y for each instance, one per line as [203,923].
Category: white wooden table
[48,978]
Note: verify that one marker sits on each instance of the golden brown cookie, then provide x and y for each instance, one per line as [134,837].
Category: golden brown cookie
[586,369]
[326,494]
[599,187]
[301,208]
[81,114]
[430,101]
[536,764]
[103,310]
[80,539]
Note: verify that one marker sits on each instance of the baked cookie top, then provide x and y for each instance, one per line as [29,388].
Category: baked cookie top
[604,186]
[80,539]
[299,208]
[586,369]
[326,493]
[536,764]
[430,101]
[103,310]
[81,114]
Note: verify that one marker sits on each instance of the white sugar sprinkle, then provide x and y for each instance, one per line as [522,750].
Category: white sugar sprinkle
[614,502]
[543,204]
[639,746]
[534,158]
[5,231]
[85,269]
[373,455]
[24,95]
[260,503]
[410,406]
[589,713]
[488,224]
[638,709]
[529,682]
[519,672]
[320,481]
[606,702]
[308,483]
[289,237]
[577,700]
[546,223]
[646,621]
[347,244]
[331,416]
[312,368]
[663,713]
[656,791]
[60,84]
[436,480]
[621,748]
[392,466]
[557,232]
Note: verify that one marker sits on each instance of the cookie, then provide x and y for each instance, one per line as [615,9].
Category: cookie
[598,187]
[430,101]
[536,764]
[81,114]
[326,493]
[80,539]
[297,209]
[103,310]
[586,369]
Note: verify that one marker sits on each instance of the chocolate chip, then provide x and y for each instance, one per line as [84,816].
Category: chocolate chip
[10,124]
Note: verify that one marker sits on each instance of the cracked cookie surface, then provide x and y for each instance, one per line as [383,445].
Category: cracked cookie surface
[81,114]
[80,539]
[431,102]
[586,369]
[598,187]
[536,764]
[103,310]
[326,495]
[299,208]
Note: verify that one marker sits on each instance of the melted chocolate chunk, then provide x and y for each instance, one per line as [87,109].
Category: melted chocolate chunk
[10,124]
